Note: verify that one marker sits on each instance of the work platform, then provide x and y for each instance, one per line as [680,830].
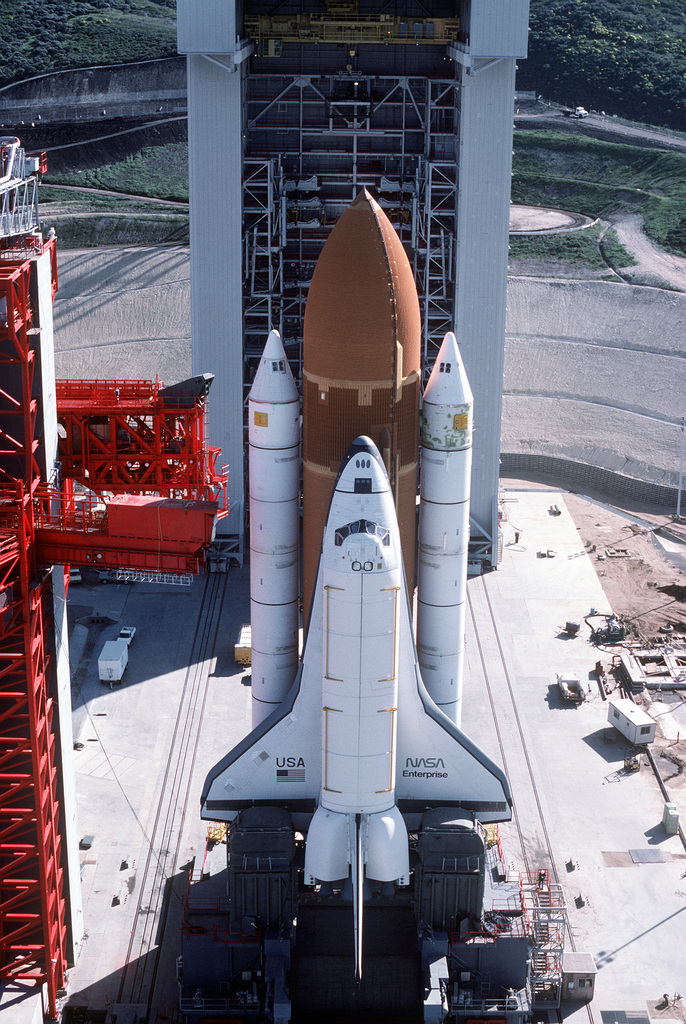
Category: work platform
[147,747]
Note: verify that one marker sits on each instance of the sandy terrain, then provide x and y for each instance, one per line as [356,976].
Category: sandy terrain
[651,262]
[594,370]
[645,587]
[124,313]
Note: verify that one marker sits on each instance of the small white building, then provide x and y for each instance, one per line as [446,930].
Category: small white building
[578,976]
[633,723]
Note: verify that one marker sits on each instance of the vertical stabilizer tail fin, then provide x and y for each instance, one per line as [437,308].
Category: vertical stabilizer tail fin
[357,875]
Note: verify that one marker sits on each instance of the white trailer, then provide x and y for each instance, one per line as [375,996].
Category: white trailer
[633,723]
[114,657]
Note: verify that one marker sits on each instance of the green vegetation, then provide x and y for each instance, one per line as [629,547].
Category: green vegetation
[614,252]
[91,232]
[573,172]
[626,57]
[96,229]
[574,248]
[84,220]
[38,36]
[157,171]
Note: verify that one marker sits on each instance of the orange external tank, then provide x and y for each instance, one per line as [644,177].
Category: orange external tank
[361,371]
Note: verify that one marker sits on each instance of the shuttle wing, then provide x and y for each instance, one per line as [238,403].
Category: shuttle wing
[436,763]
[279,762]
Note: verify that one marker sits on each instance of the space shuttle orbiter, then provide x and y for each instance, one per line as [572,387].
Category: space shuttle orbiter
[357,751]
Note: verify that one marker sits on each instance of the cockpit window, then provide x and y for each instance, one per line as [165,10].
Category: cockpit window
[362,526]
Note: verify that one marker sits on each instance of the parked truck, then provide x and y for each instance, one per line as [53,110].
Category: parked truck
[114,657]
[242,650]
[578,112]
[570,688]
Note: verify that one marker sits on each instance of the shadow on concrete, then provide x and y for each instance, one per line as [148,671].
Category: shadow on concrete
[604,743]
[554,700]
[146,983]
[604,956]
[656,835]
[171,621]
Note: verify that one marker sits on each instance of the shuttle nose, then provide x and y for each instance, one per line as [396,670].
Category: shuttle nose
[362,470]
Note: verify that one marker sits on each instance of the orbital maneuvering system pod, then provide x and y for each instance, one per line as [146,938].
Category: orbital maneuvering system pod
[360,738]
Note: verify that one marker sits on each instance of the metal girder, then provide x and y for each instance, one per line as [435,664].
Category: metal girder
[125,436]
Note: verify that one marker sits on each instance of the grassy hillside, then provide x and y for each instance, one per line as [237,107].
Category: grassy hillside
[625,57]
[50,35]
[159,171]
[577,173]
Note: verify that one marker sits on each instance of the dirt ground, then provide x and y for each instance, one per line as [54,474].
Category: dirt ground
[645,582]
[644,585]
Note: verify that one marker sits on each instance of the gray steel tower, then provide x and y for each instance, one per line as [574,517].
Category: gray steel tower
[292,109]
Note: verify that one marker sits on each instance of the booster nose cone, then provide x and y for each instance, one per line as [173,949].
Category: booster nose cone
[447,406]
[448,383]
[273,381]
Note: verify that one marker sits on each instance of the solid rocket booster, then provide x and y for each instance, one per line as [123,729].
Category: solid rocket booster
[357,826]
[361,367]
[274,468]
[446,460]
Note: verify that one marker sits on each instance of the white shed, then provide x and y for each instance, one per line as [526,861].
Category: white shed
[631,721]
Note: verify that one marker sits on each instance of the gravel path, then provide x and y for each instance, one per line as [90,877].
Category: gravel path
[652,262]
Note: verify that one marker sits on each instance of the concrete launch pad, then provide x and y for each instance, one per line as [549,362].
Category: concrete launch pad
[184,702]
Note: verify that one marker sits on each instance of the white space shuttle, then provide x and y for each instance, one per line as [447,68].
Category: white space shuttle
[358,750]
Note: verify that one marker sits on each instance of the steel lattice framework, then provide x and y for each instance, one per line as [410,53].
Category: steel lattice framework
[32,899]
[394,135]
[130,437]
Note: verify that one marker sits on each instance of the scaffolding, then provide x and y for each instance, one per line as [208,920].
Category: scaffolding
[136,436]
[32,889]
[18,188]
[328,138]
[545,907]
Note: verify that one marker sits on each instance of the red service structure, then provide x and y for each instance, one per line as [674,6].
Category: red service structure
[148,500]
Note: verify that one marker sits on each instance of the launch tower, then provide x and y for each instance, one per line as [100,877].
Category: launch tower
[293,109]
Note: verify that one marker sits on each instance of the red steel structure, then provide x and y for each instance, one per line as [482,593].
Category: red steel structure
[136,436]
[164,535]
[119,437]
[32,898]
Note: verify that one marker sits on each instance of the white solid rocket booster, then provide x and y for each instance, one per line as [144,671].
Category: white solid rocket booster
[446,460]
[274,460]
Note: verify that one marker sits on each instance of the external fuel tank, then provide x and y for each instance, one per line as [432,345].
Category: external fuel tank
[361,371]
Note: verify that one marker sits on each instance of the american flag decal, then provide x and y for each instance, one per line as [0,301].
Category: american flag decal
[290,774]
